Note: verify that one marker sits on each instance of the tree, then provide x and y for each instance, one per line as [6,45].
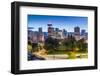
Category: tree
[82,45]
[29,47]
[35,47]
[70,43]
[51,44]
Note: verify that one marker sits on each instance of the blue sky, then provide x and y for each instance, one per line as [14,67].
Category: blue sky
[61,22]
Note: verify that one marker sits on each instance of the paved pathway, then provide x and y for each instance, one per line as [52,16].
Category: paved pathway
[52,57]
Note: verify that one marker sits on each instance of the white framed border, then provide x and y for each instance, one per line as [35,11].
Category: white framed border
[26,65]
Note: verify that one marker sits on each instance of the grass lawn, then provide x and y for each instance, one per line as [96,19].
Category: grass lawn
[71,54]
[62,50]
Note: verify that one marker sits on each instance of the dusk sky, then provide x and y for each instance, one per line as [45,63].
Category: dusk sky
[61,22]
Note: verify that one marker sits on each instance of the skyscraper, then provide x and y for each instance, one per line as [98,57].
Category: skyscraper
[41,38]
[50,30]
[77,30]
[56,29]
[61,34]
[40,35]
[64,33]
[40,29]
[83,32]
[77,33]
[35,37]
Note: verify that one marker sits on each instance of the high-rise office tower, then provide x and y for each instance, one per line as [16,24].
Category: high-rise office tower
[77,33]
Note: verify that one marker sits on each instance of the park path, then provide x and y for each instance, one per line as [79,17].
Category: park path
[43,53]
[56,57]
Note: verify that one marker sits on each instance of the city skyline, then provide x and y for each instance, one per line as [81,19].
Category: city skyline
[62,22]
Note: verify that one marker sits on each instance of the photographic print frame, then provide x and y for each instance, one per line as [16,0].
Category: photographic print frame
[17,20]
